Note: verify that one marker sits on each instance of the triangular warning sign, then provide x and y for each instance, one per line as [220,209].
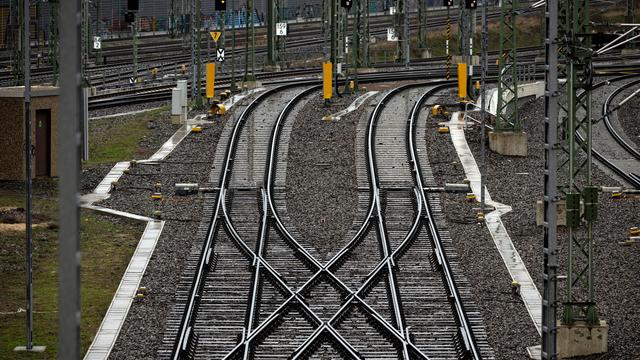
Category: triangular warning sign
[215,35]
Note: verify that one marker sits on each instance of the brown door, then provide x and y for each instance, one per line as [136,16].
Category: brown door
[43,143]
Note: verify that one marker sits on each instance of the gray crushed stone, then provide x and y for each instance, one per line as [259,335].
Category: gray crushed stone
[509,328]
[321,173]
[518,182]
[191,161]
[628,117]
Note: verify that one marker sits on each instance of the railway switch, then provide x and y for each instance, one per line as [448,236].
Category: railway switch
[439,111]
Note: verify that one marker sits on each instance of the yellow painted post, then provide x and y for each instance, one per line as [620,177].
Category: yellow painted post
[211,76]
[462,80]
[327,73]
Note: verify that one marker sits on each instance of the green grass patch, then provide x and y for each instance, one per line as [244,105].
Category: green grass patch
[117,139]
[106,247]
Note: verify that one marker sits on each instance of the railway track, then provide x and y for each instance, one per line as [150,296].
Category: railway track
[612,164]
[258,289]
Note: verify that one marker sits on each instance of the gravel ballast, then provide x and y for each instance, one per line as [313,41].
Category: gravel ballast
[141,334]
[508,325]
[628,117]
[518,182]
[321,173]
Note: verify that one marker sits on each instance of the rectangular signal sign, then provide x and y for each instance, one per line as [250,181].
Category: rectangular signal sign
[462,80]
[211,76]
[327,80]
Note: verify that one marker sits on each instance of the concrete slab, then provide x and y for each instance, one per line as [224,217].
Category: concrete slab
[580,339]
[353,106]
[116,314]
[509,143]
[528,291]
[35,349]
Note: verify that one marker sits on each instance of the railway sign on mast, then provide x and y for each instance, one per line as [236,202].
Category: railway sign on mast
[391,34]
[220,55]
[281,29]
[97,43]
[215,35]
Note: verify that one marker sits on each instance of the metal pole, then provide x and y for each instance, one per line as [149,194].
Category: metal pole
[27,156]
[550,242]
[198,82]
[69,162]
[134,29]
[233,46]
[333,29]
[405,35]
[253,42]
[271,43]
[483,102]
[193,49]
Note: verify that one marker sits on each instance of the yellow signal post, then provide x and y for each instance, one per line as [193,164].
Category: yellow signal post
[462,81]
[327,77]
[211,76]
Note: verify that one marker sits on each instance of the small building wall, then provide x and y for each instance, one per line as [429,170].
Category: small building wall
[12,164]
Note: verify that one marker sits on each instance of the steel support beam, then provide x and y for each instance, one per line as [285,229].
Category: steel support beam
[550,241]
[579,302]
[507,110]
[422,24]
[271,36]
[54,36]
[69,162]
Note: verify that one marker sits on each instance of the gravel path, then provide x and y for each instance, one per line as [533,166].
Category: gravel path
[509,328]
[519,182]
[141,334]
[321,188]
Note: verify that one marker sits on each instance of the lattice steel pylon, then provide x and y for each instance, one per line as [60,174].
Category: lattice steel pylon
[507,110]
[54,37]
[14,41]
[422,24]
[271,36]
[576,186]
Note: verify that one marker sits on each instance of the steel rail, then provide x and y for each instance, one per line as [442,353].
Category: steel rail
[185,332]
[325,327]
[631,178]
[462,319]
[248,334]
[606,112]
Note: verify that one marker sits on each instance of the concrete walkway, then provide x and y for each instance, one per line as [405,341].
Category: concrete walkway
[517,269]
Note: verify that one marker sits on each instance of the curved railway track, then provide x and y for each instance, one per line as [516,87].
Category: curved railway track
[629,177]
[258,289]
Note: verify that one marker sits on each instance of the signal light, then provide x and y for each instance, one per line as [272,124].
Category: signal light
[221,5]
[470,4]
[133,5]
[346,3]
[448,3]
[129,17]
